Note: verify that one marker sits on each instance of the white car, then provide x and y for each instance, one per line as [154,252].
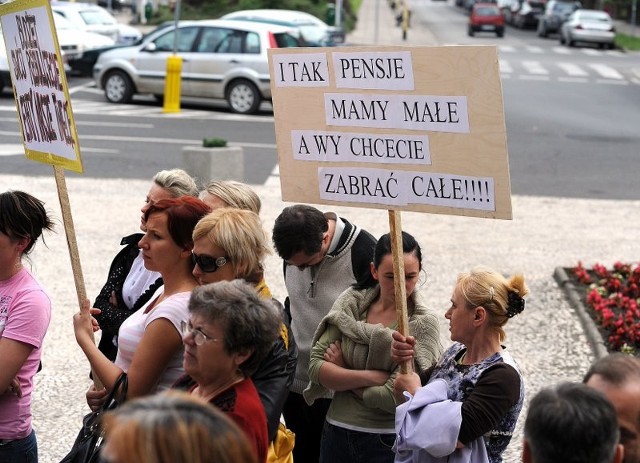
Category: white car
[310,29]
[220,59]
[88,17]
[589,26]
[74,41]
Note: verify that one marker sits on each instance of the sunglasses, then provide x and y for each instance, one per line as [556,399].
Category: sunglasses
[208,264]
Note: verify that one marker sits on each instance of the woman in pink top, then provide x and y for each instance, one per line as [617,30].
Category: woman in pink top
[150,343]
[25,312]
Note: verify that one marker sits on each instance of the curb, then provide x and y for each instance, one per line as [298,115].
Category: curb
[591,331]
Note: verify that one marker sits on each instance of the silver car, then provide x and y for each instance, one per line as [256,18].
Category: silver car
[589,26]
[220,59]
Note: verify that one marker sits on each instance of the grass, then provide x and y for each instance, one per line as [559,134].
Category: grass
[628,42]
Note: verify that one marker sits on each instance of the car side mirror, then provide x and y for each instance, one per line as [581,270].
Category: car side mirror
[150,47]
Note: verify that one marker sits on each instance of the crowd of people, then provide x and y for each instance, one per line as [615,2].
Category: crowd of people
[217,367]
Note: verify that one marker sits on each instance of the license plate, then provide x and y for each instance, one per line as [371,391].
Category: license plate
[487,28]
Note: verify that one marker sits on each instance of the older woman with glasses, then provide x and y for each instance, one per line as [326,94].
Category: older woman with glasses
[230,331]
[231,244]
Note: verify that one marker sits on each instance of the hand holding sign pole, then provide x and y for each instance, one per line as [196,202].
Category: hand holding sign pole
[397,252]
[44,108]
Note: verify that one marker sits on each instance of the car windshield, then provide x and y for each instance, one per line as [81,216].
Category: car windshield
[594,16]
[62,23]
[487,11]
[563,7]
[92,17]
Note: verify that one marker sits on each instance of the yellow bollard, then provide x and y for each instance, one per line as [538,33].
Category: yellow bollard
[172,85]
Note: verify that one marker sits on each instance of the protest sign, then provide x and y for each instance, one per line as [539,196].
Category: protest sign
[418,129]
[39,84]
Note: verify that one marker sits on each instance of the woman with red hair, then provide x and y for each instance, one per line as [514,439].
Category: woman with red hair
[150,348]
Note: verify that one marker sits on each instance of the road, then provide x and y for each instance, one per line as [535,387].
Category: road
[571,115]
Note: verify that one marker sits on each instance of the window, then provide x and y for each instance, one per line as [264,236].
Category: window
[186,37]
[253,43]
[231,42]
[210,39]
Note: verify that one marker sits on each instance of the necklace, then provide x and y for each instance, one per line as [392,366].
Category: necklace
[207,396]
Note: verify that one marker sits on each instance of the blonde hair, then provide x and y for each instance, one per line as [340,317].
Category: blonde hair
[239,232]
[235,194]
[174,427]
[177,182]
[487,288]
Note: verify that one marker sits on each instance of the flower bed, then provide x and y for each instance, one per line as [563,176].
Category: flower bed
[612,298]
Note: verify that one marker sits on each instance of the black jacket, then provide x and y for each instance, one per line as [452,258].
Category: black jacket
[112,317]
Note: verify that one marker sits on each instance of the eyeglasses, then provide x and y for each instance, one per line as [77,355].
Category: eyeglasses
[208,264]
[199,336]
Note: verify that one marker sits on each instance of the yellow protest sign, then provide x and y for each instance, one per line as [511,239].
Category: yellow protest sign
[39,84]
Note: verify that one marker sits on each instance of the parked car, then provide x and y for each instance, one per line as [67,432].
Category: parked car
[74,42]
[589,26]
[88,17]
[92,18]
[523,13]
[221,59]
[556,12]
[309,29]
[486,17]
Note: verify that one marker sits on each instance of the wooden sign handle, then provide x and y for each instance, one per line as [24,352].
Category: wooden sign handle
[70,233]
[395,229]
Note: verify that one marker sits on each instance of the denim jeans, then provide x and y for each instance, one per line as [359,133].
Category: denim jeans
[20,451]
[340,445]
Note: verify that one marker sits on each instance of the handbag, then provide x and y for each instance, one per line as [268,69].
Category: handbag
[86,447]
[281,449]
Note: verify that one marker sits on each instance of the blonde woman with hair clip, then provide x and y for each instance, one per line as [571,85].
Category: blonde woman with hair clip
[476,380]
[173,427]
[229,193]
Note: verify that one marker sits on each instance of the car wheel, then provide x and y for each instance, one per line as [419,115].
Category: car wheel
[570,42]
[118,87]
[561,39]
[612,46]
[470,31]
[500,34]
[243,97]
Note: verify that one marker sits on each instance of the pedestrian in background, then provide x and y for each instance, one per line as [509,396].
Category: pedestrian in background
[477,374]
[25,313]
[173,427]
[351,355]
[617,376]
[323,255]
[129,284]
[571,423]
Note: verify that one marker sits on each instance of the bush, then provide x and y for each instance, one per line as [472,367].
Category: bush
[613,297]
[214,142]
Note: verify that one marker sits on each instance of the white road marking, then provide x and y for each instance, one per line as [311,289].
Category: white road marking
[573,69]
[534,67]
[606,71]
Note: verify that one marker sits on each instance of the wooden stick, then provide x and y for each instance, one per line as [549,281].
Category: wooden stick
[70,232]
[395,229]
